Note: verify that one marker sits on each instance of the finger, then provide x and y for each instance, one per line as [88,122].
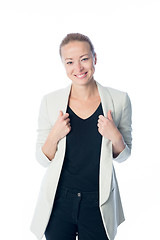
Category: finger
[67,120]
[109,115]
[65,116]
[100,121]
[101,118]
[60,113]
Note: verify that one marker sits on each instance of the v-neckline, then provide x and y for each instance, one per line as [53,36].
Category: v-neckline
[84,119]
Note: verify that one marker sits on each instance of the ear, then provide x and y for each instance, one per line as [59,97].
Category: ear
[95,58]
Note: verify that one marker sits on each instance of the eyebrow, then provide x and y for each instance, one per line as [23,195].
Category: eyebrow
[80,56]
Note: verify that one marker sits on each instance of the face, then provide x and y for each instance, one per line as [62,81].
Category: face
[78,61]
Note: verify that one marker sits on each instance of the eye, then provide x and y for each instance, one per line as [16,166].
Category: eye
[69,62]
[84,59]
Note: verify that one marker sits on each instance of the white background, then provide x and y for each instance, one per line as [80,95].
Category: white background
[126,36]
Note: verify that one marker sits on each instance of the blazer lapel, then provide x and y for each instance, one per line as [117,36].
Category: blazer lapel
[105,175]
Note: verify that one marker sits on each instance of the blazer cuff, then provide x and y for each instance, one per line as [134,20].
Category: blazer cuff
[124,155]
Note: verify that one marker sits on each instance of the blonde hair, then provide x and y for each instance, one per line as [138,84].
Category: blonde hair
[76,37]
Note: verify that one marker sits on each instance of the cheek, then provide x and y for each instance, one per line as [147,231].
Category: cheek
[91,66]
[68,70]
[70,73]
[93,69]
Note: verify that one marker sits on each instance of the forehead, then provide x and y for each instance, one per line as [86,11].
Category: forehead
[75,48]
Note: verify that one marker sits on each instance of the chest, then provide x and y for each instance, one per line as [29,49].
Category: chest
[84,109]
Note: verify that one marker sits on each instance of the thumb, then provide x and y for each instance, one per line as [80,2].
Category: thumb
[60,113]
[109,115]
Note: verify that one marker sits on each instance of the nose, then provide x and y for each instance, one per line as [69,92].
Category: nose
[79,67]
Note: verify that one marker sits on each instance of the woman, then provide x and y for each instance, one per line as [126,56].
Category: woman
[82,129]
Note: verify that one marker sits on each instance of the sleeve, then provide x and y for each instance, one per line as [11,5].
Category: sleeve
[44,127]
[125,128]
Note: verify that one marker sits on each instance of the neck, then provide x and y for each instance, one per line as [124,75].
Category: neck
[84,92]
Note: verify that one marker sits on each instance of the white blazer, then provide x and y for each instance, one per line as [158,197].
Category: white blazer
[109,198]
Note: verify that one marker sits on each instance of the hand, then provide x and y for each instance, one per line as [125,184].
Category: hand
[62,126]
[107,127]
[60,129]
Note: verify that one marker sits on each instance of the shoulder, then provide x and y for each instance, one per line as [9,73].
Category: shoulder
[115,92]
[120,99]
[55,94]
[52,102]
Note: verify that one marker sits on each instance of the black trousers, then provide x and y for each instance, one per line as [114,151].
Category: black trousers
[74,214]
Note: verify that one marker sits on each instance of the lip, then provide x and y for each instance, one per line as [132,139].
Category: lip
[83,76]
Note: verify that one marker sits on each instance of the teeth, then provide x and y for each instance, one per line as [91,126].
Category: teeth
[81,75]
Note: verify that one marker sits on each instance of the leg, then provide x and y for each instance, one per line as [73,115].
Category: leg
[90,224]
[60,229]
[60,225]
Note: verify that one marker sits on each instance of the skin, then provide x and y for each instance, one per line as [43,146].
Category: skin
[74,64]
[77,60]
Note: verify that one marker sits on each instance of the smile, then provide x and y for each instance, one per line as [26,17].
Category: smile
[81,75]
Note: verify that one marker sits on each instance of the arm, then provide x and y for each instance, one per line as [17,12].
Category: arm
[119,136]
[44,128]
[49,148]
[125,130]
[48,136]
[118,145]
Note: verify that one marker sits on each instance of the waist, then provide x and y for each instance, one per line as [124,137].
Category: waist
[64,191]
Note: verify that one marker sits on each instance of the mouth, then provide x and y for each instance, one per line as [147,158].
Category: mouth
[80,76]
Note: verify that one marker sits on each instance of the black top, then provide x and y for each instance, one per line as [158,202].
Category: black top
[82,156]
